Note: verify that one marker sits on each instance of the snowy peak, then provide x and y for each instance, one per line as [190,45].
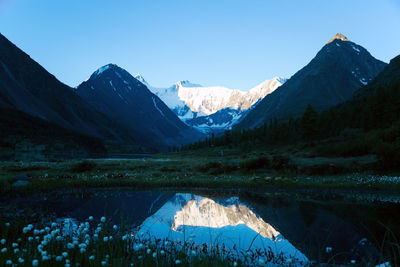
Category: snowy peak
[186,83]
[140,78]
[102,69]
[281,80]
[338,36]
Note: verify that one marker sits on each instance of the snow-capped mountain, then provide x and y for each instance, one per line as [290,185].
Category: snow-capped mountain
[194,103]
[227,222]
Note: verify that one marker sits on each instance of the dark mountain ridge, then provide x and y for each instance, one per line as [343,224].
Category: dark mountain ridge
[28,87]
[116,93]
[332,77]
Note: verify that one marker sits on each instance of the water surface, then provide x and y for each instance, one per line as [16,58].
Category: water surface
[295,225]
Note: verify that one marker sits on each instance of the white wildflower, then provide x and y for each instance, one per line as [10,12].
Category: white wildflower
[91,258]
[105,239]
[30,239]
[90,218]
[148,251]
[45,258]
[154,254]
[103,219]
[16,250]
[9,262]
[35,263]
[328,249]
[64,254]
[14,245]
[178,262]
[103,263]
[115,227]
[53,225]
[83,250]
[59,258]
[3,250]
[3,241]
[162,252]
[21,260]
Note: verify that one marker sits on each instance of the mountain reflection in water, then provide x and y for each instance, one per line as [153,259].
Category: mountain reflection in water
[188,217]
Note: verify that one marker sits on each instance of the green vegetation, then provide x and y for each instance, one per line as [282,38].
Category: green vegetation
[99,243]
[209,167]
[369,124]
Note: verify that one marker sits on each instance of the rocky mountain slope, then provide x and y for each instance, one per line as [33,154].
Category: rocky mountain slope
[337,71]
[116,93]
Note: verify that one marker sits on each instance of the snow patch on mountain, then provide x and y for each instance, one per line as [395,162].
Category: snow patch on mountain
[155,105]
[102,69]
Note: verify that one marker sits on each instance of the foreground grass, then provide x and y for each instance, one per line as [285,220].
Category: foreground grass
[99,243]
[202,168]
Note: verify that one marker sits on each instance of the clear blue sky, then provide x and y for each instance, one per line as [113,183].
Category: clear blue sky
[237,44]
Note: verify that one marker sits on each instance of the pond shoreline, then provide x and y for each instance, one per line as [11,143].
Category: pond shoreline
[350,195]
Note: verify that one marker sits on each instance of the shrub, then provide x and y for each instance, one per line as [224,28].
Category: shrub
[216,168]
[255,164]
[281,162]
[388,155]
[84,166]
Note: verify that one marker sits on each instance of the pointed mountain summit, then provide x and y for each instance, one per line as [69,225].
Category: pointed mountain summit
[26,86]
[332,76]
[116,93]
[140,78]
[338,36]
